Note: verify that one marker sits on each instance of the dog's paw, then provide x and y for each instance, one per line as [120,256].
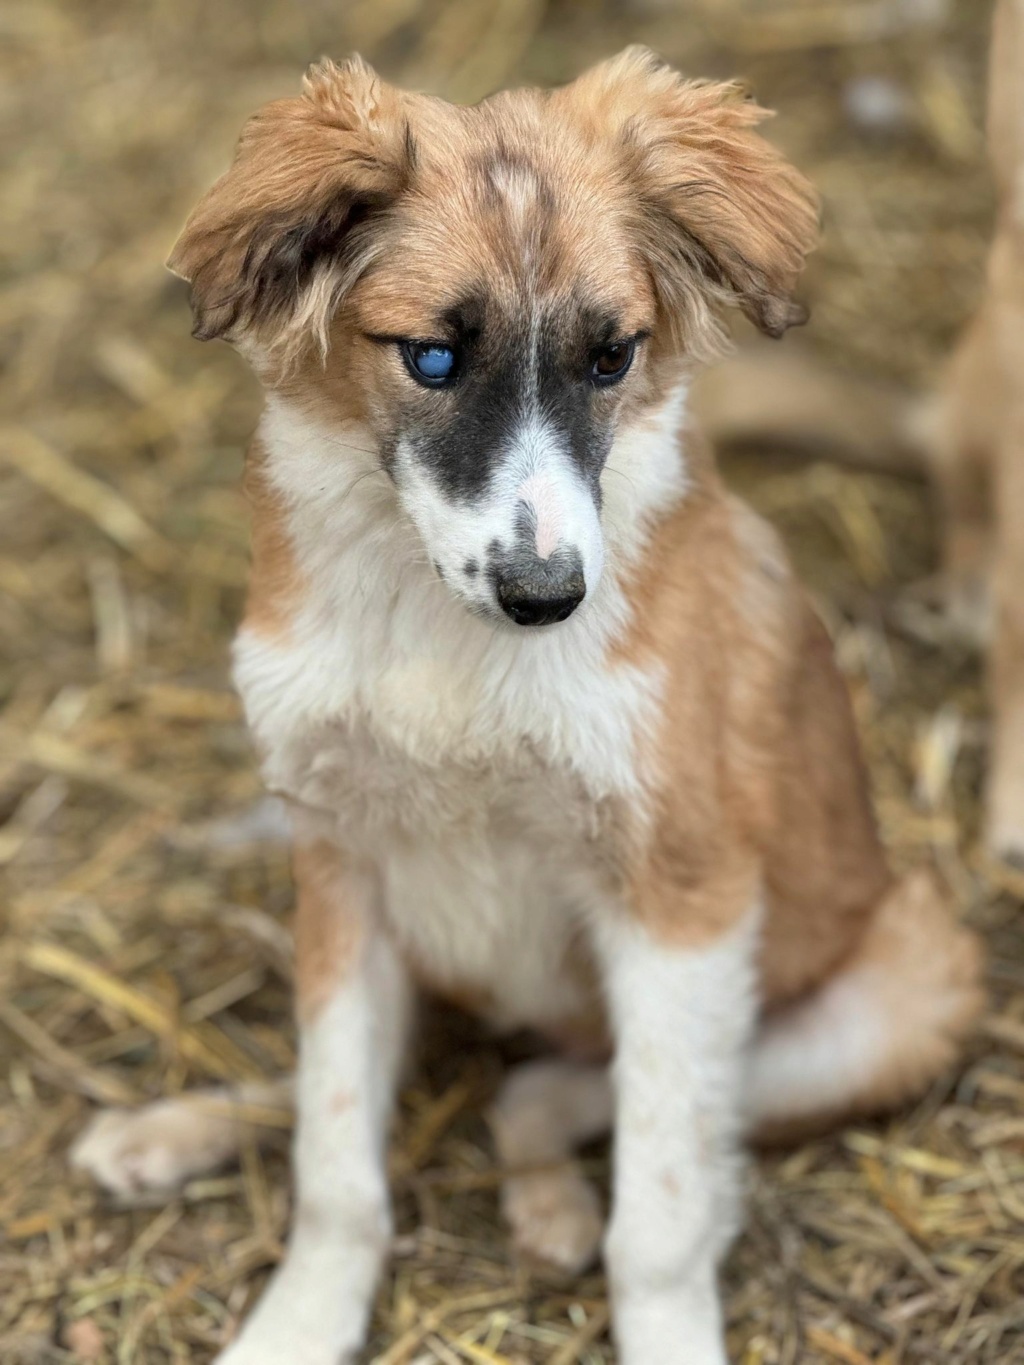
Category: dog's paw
[150,1152]
[308,1315]
[555,1217]
[252,1348]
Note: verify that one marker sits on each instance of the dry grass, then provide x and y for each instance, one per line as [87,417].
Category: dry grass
[142,947]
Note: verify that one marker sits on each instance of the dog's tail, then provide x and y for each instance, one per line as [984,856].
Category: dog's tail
[786,399]
[878,1032]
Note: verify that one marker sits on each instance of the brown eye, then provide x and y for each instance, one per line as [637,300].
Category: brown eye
[610,363]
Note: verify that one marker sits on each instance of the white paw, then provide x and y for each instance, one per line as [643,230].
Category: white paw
[307,1316]
[150,1151]
[556,1217]
[253,1348]
[672,1326]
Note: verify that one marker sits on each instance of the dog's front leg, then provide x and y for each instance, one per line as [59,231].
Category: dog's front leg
[683,1017]
[353,1011]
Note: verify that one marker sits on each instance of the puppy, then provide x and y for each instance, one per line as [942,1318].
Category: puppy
[561,736]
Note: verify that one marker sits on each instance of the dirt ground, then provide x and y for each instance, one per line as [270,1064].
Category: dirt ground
[143,938]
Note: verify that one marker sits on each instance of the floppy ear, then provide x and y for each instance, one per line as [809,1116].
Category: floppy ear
[274,245]
[714,195]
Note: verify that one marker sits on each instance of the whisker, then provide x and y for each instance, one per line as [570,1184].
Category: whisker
[610,469]
[357,481]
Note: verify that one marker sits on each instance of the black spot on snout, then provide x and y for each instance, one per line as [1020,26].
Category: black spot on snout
[471,568]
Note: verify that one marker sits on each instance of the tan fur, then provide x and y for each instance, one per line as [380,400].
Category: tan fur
[337,146]
[1006,102]
[772,397]
[757,766]
[719,214]
[751,212]
[979,439]
[275,580]
[328,928]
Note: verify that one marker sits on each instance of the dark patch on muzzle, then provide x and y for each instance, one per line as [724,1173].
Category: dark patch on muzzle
[532,591]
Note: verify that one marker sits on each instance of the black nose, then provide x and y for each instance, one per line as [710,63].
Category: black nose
[531,601]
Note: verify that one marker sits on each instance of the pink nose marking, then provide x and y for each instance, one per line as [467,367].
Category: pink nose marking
[541,494]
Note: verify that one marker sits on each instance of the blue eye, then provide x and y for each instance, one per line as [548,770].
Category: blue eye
[429,362]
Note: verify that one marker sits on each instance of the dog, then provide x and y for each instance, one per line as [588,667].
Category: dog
[974,443]
[967,437]
[560,734]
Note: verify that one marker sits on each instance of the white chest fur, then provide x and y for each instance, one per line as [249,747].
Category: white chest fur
[474,764]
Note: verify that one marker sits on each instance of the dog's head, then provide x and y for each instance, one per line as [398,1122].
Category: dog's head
[496,290]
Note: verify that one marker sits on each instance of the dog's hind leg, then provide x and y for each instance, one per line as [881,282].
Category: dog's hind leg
[151,1152]
[544,1111]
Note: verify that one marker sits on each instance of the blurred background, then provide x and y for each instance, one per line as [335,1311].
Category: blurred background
[143,915]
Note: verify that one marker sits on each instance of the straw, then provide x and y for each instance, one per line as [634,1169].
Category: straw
[146,892]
